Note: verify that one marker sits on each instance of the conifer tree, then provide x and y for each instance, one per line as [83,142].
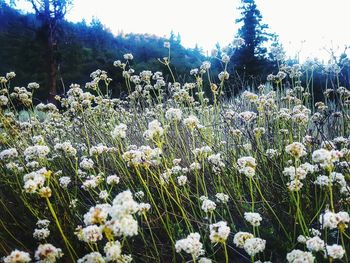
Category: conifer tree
[251,57]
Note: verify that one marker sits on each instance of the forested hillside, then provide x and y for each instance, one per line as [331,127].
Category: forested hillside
[83,48]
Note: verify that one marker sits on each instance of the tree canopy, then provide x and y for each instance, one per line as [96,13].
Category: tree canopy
[251,58]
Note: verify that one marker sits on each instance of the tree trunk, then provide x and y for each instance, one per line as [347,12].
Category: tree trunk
[51,58]
[52,69]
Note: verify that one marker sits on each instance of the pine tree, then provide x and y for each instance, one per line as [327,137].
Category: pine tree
[251,57]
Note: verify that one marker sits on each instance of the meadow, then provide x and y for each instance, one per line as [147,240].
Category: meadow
[171,174]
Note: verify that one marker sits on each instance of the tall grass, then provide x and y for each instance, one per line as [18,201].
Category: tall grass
[169,175]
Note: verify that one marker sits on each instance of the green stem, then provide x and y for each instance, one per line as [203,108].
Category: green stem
[68,245]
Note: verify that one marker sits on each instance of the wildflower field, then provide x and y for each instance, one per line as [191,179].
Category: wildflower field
[171,174]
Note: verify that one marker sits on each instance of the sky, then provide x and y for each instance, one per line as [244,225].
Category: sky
[308,28]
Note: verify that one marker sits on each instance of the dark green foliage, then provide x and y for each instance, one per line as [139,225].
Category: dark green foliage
[251,59]
[82,48]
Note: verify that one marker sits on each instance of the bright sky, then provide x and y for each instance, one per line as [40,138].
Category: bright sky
[304,26]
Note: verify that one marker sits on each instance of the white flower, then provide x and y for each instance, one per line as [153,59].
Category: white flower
[241,237]
[253,218]
[173,114]
[296,149]
[195,166]
[295,185]
[66,148]
[208,206]
[3,100]
[225,58]
[97,214]
[300,173]
[13,167]
[254,245]
[126,259]
[326,157]
[112,180]
[73,203]
[204,260]
[167,44]
[41,234]
[8,154]
[271,153]
[143,208]
[333,220]
[86,164]
[248,171]
[309,168]
[190,245]
[194,71]
[123,205]
[329,220]
[192,122]
[201,153]
[119,131]
[93,257]
[176,161]
[43,223]
[215,159]
[91,234]
[238,42]
[117,63]
[91,182]
[246,161]
[247,116]
[205,65]
[128,56]
[321,156]
[10,75]
[246,166]
[35,180]
[343,218]
[48,253]
[154,131]
[249,96]
[223,75]
[322,180]
[33,165]
[64,181]
[125,226]
[289,171]
[219,232]
[139,194]
[17,256]
[315,244]
[298,256]
[98,150]
[112,250]
[144,155]
[302,239]
[103,195]
[36,151]
[335,251]
[221,197]
[339,178]
[182,180]
[315,232]
[33,86]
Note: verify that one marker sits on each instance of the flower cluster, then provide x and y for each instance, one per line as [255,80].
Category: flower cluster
[191,245]
[219,232]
